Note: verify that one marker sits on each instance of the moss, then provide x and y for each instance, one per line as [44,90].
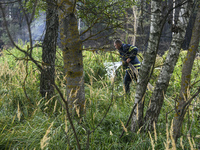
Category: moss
[72,74]
[190,49]
[188,76]
[72,86]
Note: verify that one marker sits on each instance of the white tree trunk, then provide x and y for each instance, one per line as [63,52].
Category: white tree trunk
[135,25]
[149,59]
[167,70]
[174,12]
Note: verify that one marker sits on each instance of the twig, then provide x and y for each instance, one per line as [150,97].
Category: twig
[194,83]
[95,22]
[190,100]
[33,13]
[166,116]
[28,24]
[192,121]
[24,83]
[105,29]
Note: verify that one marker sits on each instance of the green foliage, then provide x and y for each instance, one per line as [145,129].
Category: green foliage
[102,18]
[25,124]
[106,11]
[176,76]
[28,5]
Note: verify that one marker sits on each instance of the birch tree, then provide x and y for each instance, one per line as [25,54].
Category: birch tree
[135,24]
[49,51]
[72,53]
[162,83]
[184,100]
[149,60]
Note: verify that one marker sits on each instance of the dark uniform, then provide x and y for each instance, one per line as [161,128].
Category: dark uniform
[129,51]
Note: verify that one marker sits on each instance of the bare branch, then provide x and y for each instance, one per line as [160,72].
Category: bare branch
[28,24]
[33,13]
[8,32]
[89,28]
[190,100]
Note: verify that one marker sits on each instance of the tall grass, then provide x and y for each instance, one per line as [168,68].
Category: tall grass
[27,122]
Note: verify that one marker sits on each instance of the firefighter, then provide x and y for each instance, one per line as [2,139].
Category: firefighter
[128,55]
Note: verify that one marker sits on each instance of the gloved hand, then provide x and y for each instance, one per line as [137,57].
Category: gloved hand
[124,63]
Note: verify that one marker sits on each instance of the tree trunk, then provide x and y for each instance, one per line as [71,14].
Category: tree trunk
[163,80]
[174,12]
[49,51]
[72,53]
[149,59]
[186,77]
[135,24]
[1,42]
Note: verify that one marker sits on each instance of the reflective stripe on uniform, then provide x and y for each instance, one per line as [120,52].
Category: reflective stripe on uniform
[135,65]
[130,68]
[131,48]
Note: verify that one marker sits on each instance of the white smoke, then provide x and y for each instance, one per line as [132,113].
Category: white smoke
[38,27]
[111,68]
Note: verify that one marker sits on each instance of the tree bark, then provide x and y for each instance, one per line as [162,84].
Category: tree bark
[49,51]
[186,77]
[72,53]
[1,42]
[163,80]
[135,24]
[149,59]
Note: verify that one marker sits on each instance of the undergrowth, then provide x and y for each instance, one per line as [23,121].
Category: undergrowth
[28,121]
